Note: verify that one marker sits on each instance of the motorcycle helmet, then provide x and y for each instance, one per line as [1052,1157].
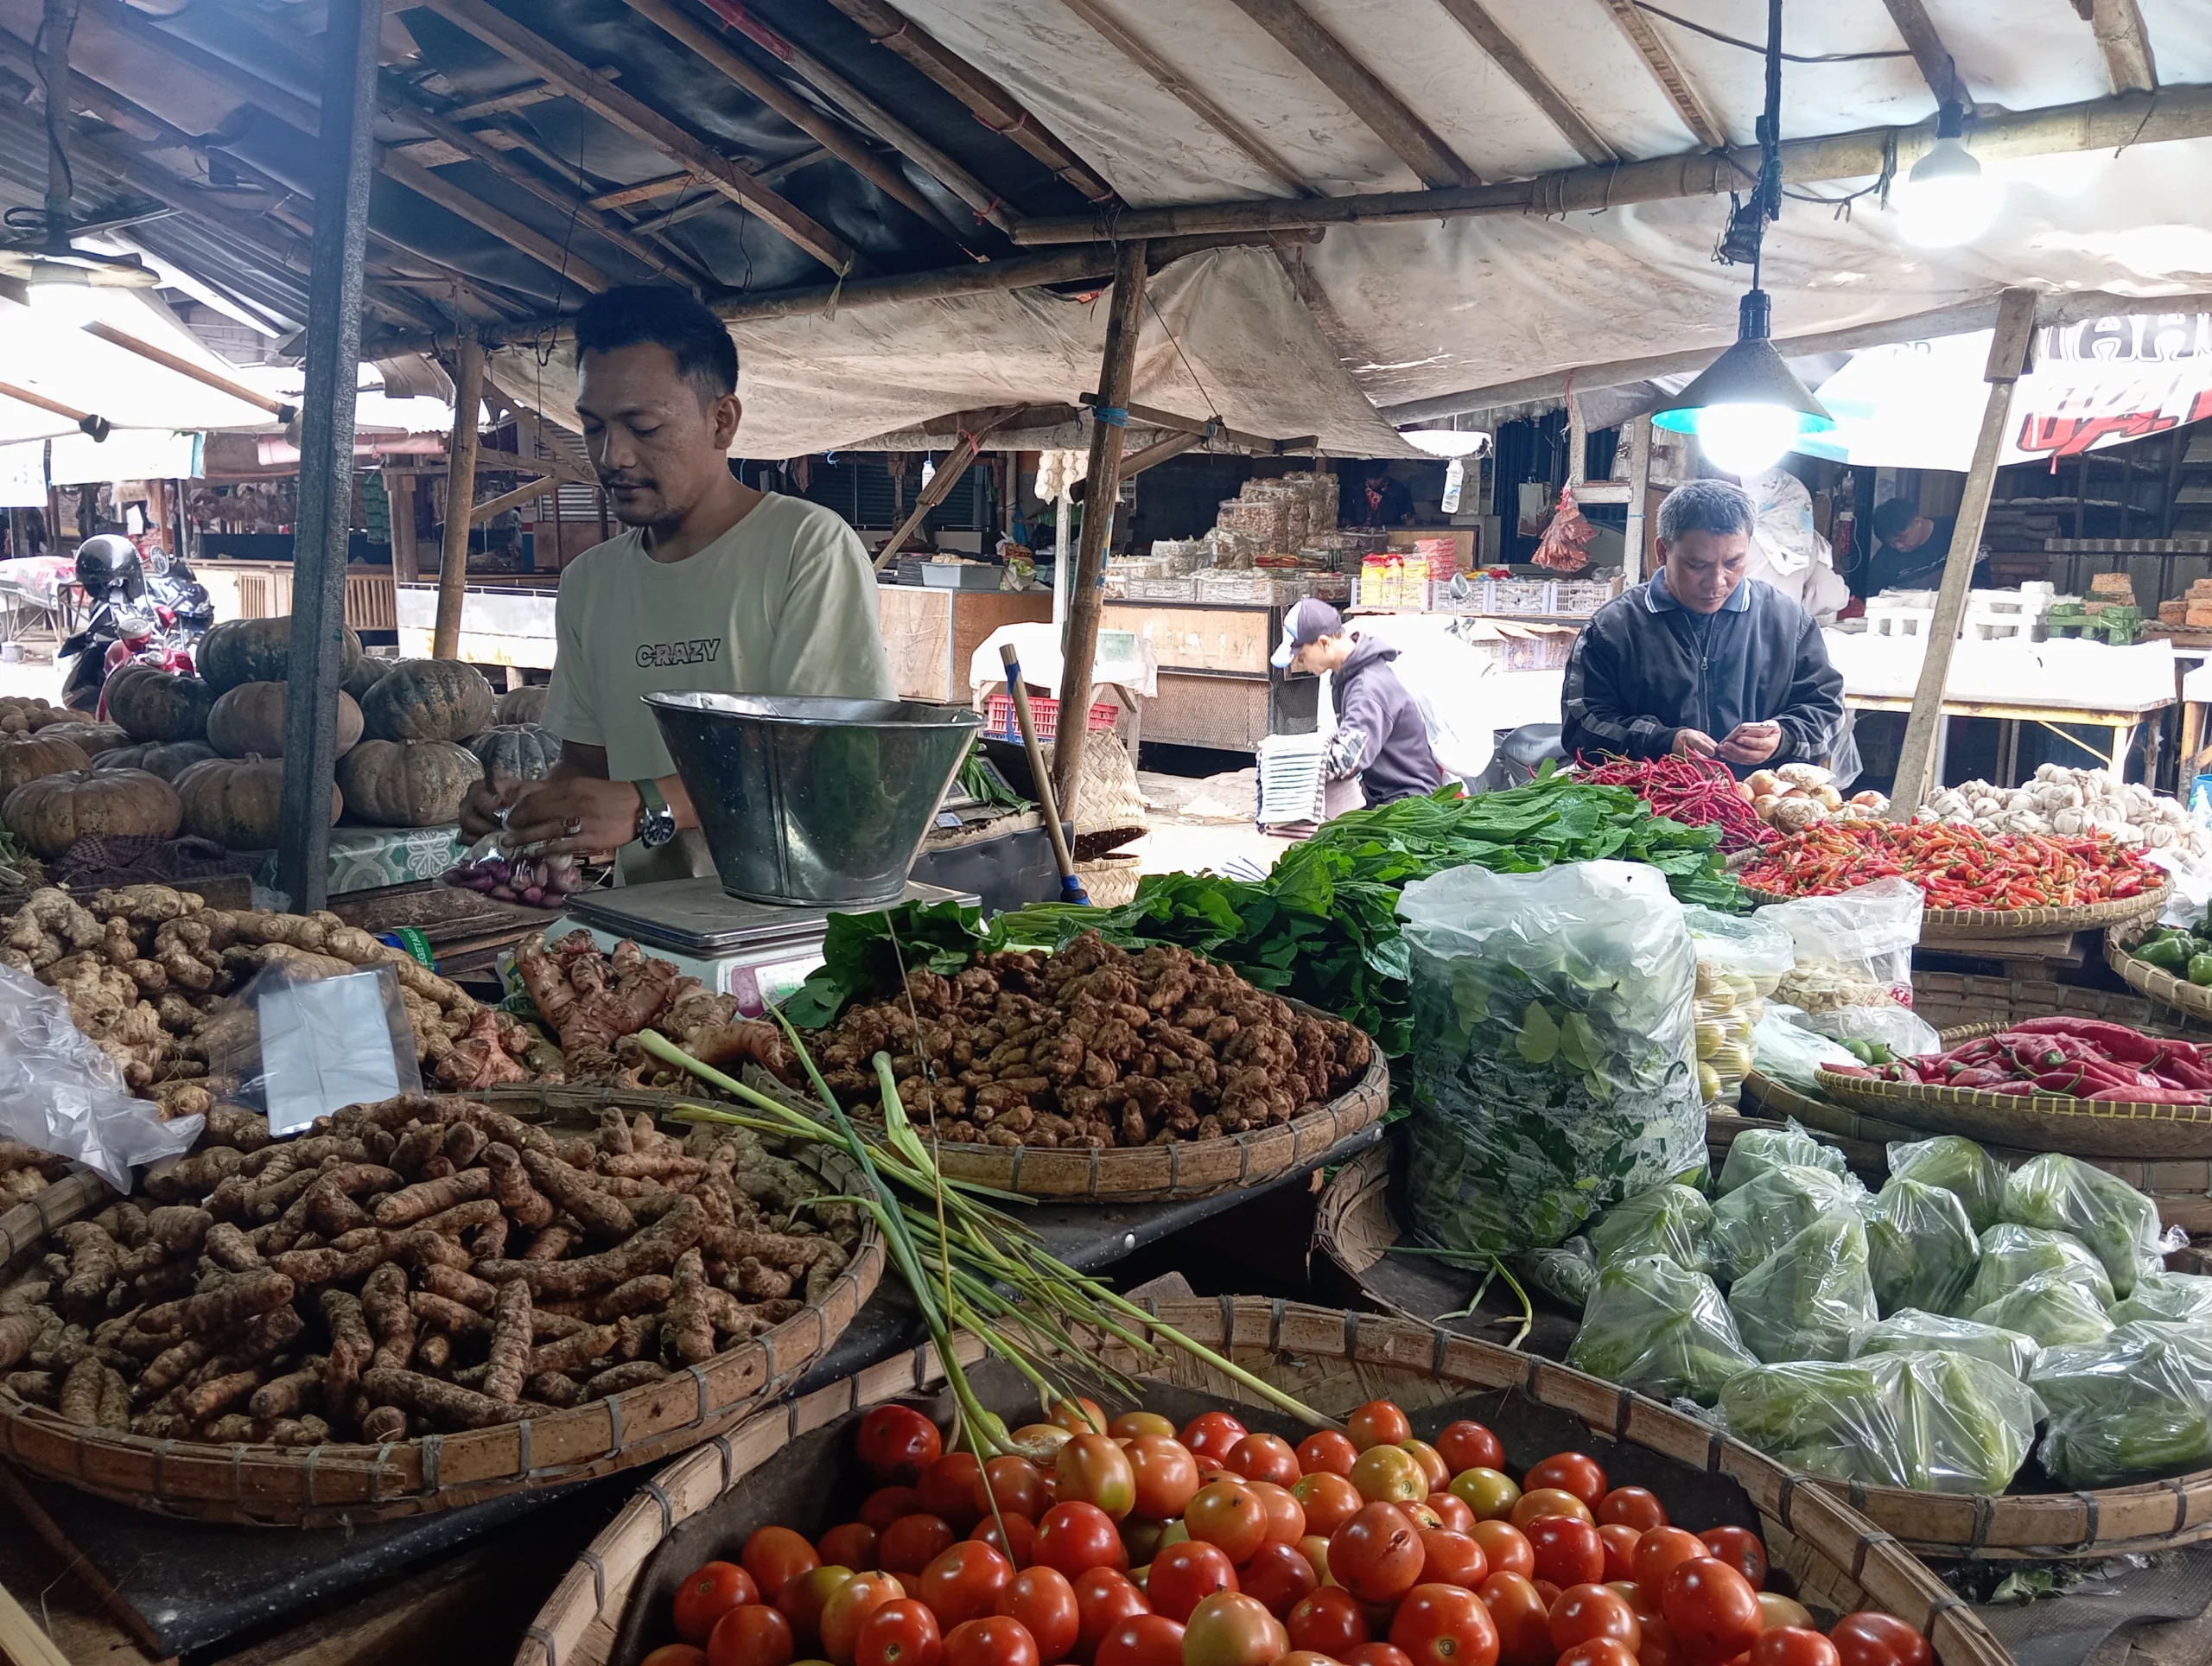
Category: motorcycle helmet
[109,570]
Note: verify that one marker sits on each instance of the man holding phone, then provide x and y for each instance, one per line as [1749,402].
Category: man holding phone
[1697,661]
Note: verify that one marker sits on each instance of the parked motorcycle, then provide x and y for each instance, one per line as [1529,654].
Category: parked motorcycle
[132,618]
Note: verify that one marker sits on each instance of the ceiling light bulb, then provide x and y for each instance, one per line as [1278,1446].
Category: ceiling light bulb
[1947,199]
[1745,439]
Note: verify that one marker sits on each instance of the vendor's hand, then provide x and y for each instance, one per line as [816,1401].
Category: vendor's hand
[1694,743]
[580,816]
[479,810]
[1750,743]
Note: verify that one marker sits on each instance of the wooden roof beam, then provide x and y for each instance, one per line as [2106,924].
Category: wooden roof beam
[1325,59]
[1672,80]
[2124,42]
[1929,52]
[564,263]
[1506,54]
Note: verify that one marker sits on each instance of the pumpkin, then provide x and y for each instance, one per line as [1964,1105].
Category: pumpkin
[359,679]
[429,700]
[258,651]
[167,759]
[522,705]
[407,783]
[92,738]
[157,705]
[28,757]
[52,813]
[522,750]
[237,802]
[45,716]
[250,718]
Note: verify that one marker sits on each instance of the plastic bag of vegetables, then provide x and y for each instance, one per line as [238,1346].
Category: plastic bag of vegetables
[2064,1194]
[1920,1248]
[2010,1256]
[1672,1220]
[1756,1150]
[1910,1331]
[2178,1298]
[2136,1404]
[1757,1219]
[1553,1071]
[1567,1273]
[1936,1423]
[1956,1164]
[1791,1053]
[1812,1298]
[1739,960]
[1659,1329]
[2052,1307]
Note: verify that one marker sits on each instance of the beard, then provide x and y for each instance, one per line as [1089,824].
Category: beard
[640,502]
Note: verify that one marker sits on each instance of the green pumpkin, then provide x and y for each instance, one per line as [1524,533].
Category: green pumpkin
[237,802]
[525,751]
[524,705]
[258,651]
[407,783]
[429,700]
[250,719]
[167,759]
[156,705]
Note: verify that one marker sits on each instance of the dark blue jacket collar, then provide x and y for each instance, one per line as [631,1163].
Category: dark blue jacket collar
[1658,598]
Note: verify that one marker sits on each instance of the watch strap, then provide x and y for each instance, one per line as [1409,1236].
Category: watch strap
[654,816]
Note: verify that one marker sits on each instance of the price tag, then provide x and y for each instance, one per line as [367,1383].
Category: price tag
[324,1045]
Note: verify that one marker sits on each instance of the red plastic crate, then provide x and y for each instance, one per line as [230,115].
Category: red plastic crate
[999,720]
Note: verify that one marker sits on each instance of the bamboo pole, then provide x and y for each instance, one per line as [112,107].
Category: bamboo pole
[460,496]
[1086,592]
[2008,358]
[183,366]
[1151,457]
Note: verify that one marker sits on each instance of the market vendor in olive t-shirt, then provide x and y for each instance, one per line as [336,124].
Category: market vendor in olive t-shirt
[716,586]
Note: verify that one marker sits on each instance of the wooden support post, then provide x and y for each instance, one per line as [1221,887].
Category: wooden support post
[1637,541]
[948,475]
[1151,457]
[1086,591]
[461,497]
[2008,358]
[399,495]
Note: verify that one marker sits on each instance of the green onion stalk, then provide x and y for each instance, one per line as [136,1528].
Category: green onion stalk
[1490,1267]
[969,1266]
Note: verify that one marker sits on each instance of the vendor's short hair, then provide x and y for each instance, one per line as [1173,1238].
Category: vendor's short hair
[662,315]
[1705,506]
[1893,517]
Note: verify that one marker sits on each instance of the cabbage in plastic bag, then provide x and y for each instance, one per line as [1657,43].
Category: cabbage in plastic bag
[2179,1298]
[1672,1220]
[1659,1329]
[1936,1422]
[2134,1405]
[1756,1150]
[1910,1331]
[1920,1249]
[1788,1051]
[2010,1256]
[1757,1219]
[1567,1273]
[1956,1164]
[1812,1298]
[2052,1309]
[2064,1194]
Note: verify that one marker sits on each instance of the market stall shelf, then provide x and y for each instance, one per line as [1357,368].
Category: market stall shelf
[1948,1000]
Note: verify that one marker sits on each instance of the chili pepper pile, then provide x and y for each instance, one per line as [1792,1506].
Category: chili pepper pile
[1957,867]
[2077,1058]
[1696,791]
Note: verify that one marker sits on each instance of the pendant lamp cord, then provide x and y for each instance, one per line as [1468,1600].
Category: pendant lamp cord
[1768,198]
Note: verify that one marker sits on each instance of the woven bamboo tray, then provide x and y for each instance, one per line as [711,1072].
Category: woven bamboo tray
[1955,922]
[612,1604]
[80,1193]
[2163,987]
[342,1485]
[1354,1227]
[2040,1122]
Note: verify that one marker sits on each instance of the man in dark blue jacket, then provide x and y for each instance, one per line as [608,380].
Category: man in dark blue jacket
[1697,661]
[1380,736]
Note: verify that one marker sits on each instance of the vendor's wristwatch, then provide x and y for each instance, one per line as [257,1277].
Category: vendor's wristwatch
[656,821]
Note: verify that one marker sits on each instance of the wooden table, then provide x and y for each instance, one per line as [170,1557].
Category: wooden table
[930,635]
[2122,720]
[1217,686]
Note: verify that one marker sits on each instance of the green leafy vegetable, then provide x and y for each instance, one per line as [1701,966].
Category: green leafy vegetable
[1921,1249]
[1756,1150]
[2132,1405]
[1812,1298]
[1956,1164]
[2064,1194]
[1567,1273]
[1910,1331]
[2010,1256]
[2179,1298]
[1757,1219]
[862,954]
[979,780]
[2052,1307]
[1661,1329]
[1672,1220]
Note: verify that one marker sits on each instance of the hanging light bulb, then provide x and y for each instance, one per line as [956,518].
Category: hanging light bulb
[1947,199]
[1747,407]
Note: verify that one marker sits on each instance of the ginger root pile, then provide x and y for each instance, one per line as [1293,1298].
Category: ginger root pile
[1093,1047]
[597,1003]
[420,1265]
[25,1172]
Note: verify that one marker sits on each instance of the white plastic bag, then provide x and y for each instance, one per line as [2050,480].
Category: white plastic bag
[1739,962]
[1853,950]
[1791,1053]
[60,1092]
[297,1043]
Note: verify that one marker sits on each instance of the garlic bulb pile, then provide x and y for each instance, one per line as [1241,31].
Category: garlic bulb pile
[2065,803]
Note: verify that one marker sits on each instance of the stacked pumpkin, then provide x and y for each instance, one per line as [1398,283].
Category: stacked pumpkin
[50,793]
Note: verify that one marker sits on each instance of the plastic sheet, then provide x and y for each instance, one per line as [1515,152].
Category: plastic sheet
[1739,961]
[2135,1405]
[299,1042]
[60,1092]
[1921,1249]
[1673,1220]
[1659,1328]
[2178,1298]
[1553,1073]
[1853,949]
[1567,1273]
[1956,1164]
[1757,1219]
[1812,1298]
[1910,1331]
[1936,1422]
[2052,1309]
[2011,1255]
[1756,1150]
[1788,1050]
[2118,1223]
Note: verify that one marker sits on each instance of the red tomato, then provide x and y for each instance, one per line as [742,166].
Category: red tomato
[1523,1621]
[912,1543]
[708,1593]
[1432,1463]
[1044,1601]
[773,1556]
[1868,1638]
[1231,1629]
[1081,1416]
[1445,1626]
[1452,1558]
[1328,1500]
[1568,1551]
[897,1443]
[952,1488]
[1325,1452]
[1377,1423]
[1264,1458]
[1507,1547]
[1632,1593]
[1632,1506]
[1130,1424]
[1229,1514]
[1711,1608]
[1045,1438]
[850,1544]
[752,1634]
[1183,1574]
[964,1583]
[1278,1576]
[1092,1469]
[1013,1537]
[1539,1502]
[1377,1554]
[1740,1549]
[1295,1657]
[1422,1516]
[1378,1654]
[994,1641]
[1018,1485]
[887,1503]
[1287,1522]
[848,1610]
[1620,1541]
[1776,1609]
[1549,1591]
[804,1596]
[901,1633]
[1328,1622]
[1468,1445]
[1570,1472]
[1103,1599]
[1583,1611]
[675,1654]
[1794,1645]
[1452,1509]
[1599,1651]
[1211,1434]
[1659,1647]
[1660,1552]
[1142,1640]
[1076,1537]
[1142,1540]
[1165,1474]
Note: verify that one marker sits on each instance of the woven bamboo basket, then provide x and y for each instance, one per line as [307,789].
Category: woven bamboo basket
[1948,1000]
[342,1485]
[612,1607]
[80,1193]
[2039,1122]
[2162,986]
[1956,922]
[1354,1228]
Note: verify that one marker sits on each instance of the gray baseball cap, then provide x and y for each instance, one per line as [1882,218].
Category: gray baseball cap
[1309,621]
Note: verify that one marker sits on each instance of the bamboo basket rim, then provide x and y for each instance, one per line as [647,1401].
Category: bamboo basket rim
[2160,985]
[1859,1091]
[2020,922]
[591,1597]
[342,1483]
[2024,1526]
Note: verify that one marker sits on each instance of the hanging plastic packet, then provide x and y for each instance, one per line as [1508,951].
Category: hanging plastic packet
[516,876]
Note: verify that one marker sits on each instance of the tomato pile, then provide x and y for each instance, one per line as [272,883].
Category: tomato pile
[1144,1545]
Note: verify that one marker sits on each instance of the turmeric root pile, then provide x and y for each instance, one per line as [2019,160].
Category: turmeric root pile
[597,1003]
[1092,1046]
[421,1265]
